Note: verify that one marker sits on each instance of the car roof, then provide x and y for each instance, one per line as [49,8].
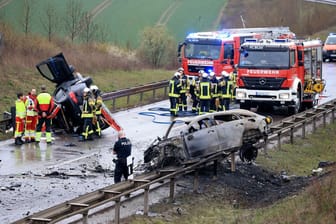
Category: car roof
[211,115]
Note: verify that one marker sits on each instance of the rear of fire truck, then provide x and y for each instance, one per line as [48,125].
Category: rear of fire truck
[280,72]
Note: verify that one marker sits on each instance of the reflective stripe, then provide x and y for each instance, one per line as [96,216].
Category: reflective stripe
[20,109]
[204,90]
[44,101]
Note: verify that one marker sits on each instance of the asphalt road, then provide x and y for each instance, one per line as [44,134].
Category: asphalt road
[141,129]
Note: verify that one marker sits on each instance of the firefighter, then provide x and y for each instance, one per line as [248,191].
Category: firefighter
[233,78]
[31,118]
[20,115]
[122,148]
[184,89]
[174,93]
[87,115]
[214,92]
[225,90]
[98,102]
[194,94]
[204,94]
[44,108]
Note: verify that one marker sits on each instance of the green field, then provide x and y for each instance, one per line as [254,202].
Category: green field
[125,19]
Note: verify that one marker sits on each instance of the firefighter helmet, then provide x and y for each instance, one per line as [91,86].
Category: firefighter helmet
[86,90]
[94,87]
[180,69]
[212,74]
[205,75]
[177,74]
[225,74]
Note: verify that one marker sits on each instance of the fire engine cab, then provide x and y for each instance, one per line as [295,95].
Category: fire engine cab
[280,72]
[218,51]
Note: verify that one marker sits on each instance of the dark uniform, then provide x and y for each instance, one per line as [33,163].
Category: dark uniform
[87,115]
[194,94]
[122,148]
[174,93]
[226,91]
[214,92]
[204,94]
[183,91]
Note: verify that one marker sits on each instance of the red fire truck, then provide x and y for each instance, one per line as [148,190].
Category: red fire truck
[280,72]
[219,50]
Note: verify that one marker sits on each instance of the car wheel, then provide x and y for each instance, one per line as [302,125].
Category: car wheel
[248,153]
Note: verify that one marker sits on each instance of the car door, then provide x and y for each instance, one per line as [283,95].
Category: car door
[230,129]
[55,69]
[202,141]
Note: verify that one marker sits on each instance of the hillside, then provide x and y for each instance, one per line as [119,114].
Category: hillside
[122,21]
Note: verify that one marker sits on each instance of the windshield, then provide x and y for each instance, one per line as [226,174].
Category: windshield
[264,59]
[202,51]
[331,40]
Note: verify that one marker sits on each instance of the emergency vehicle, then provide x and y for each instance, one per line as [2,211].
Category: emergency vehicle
[329,48]
[219,50]
[280,72]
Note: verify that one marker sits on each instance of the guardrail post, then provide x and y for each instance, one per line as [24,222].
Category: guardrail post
[233,162]
[304,129]
[279,140]
[128,99]
[113,104]
[117,211]
[292,135]
[165,91]
[324,119]
[196,181]
[154,93]
[215,169]
[85,217]
[172,189]
[146,205]
[141,96]
[314,124]
[333,115]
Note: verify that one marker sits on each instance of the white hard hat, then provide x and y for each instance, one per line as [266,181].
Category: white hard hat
[205,75]
[86,90]
[94,87]
[180,70]
[212,74]
[200,71]
[225,73]
[177,74]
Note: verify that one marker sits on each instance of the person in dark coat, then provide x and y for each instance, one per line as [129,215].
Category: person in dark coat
[122,148]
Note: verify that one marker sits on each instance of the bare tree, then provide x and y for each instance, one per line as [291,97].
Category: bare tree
[50,21]
[89,28]
[73,18]
[102,34]
[27,15]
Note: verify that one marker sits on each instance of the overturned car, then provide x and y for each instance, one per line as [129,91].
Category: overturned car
[68,96]
[192,138]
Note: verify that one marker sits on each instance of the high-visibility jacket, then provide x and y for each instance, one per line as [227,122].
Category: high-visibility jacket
[174,87]
[204,89]
[214,87]
[45,103]
[20,109]
[30,104]
[184,84]
[88,107]
[98,104]
[226,88]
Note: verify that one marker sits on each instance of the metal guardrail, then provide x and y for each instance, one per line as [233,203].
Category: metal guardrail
[152,87]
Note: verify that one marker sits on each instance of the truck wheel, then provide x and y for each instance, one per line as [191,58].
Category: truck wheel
[294,109]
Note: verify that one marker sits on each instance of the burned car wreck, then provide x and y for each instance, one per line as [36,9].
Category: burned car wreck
[196,137]
[68,96]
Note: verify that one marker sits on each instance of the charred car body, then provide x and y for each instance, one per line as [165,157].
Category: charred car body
[68,95]
[196,137]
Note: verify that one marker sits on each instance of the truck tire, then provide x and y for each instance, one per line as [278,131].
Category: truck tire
[294,109]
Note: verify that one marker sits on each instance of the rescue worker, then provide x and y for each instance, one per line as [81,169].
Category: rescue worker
[122,148]
[233,78]
[183,91]
[44,107]
[20,115]
[225,90]
[87,115]
[31,118]
[214,92]
[174,93]
[194,94]
[98,102]
[204,94]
